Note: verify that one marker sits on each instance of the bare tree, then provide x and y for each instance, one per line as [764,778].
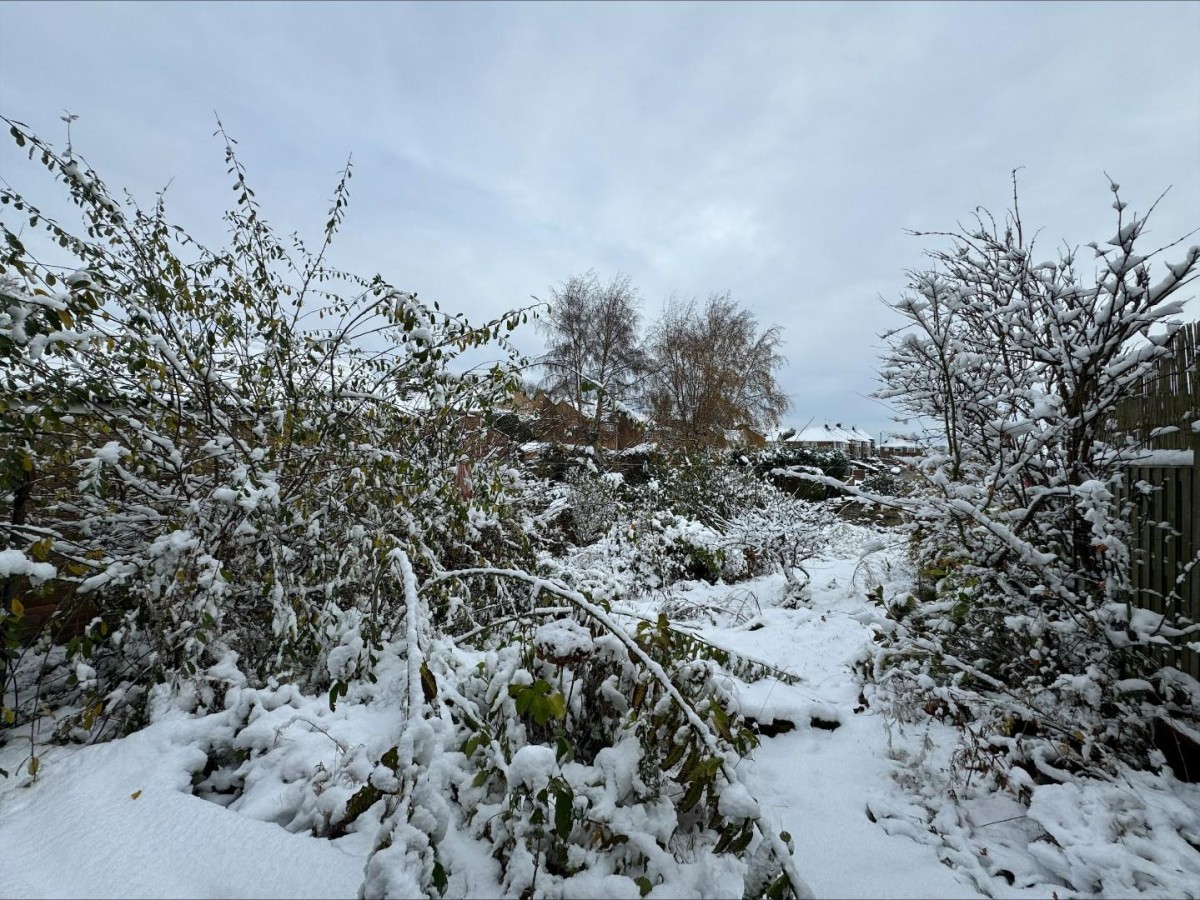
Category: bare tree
[713,369]
[593,354]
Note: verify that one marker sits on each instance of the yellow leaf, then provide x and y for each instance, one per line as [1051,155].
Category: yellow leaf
[135,795]
[65,317]
[34,765]
[18,608]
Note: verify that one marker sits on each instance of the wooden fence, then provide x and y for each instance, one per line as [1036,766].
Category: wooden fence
[1165,518]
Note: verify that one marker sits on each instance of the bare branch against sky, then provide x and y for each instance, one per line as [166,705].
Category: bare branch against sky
[776,151]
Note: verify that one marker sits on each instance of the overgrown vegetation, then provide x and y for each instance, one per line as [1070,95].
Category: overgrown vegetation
[240,476]
[234,480]
[1024,632]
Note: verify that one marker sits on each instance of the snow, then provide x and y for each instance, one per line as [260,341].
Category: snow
[1162,458]
[834,435]
[14,562]
[119,820]
[111,453]
[815,783]
[1151,825]
[866,798]
[563,639]
[736,801]
[533,766]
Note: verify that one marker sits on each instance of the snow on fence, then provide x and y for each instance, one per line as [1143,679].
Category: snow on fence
[1165,518]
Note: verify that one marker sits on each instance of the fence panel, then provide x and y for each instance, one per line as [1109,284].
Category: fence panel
[1165,525]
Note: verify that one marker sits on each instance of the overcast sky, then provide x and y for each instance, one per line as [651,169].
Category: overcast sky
[777,151]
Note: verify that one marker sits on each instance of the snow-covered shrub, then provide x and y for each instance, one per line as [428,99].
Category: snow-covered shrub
[647,550]
[780,536]
[216,449]
[579,755]
[1028,635]
[702,486]
[707,520]
[594,502]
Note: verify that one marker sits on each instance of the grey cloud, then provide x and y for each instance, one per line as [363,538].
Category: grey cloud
[775,150]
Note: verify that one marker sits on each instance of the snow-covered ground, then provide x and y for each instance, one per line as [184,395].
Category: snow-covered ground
[818,783]
[866,798]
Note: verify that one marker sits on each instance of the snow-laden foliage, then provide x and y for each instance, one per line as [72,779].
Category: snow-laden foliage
[694,517]
[1024,632]
[781,464]
[216,449]
[781,536]
[238,478]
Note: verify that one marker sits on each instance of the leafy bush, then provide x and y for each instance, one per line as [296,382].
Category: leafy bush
[594,502]
[215,450]
[1028,635]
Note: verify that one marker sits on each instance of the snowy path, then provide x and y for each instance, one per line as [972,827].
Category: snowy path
[817,783]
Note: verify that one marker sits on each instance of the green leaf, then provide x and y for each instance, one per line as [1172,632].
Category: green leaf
[338,689]
[740,843]
[674,755]
[556,703]
[439,877]
[780,888]
[565,750]
[721,722]
[692,797]
[644,885]
[689,766]
[366,797]
[564,800]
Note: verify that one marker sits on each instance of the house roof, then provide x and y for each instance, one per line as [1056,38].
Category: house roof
[900,442]
[830,434]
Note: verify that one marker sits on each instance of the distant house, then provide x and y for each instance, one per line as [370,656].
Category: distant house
[854,442]
[901,446]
